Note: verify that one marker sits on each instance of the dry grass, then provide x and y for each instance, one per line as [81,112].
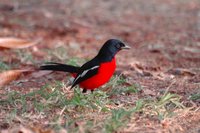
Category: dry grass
[55,107]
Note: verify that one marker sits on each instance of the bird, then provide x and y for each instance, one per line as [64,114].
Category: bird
[97,71]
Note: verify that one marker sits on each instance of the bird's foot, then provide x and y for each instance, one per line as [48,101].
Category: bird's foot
[84,91]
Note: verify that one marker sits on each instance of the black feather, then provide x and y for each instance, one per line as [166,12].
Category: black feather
[86,66]
[88,75]
[59,67]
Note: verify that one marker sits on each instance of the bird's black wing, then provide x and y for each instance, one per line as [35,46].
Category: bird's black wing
[59,67]
[87,71]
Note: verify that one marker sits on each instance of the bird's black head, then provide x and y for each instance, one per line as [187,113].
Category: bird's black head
[110,49]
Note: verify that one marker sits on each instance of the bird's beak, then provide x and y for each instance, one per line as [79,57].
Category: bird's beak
[126,47]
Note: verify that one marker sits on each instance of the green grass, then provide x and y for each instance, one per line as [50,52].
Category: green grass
[118,86]
[164,106]
[60,54]
[24,56]
[195,97]
[75,111]
[96,101]
[3,66]
[120,117]
[160,108]
[75,61]
[52,97]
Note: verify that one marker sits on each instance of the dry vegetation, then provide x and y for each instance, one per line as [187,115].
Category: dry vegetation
[156,87]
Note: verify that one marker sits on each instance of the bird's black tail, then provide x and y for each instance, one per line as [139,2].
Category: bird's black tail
[59,67]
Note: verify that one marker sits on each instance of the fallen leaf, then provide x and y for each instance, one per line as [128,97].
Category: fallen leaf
[10,75]
[19,129]
[15,43]
[22,129]
[38,129]
[181,72]
[137,67]
[140,69]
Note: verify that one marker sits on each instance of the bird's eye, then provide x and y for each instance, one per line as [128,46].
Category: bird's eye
[118,46]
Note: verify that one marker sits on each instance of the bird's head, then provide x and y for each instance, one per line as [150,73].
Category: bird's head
[111,47]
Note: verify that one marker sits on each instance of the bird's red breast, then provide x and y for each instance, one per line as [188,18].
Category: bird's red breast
[104,74]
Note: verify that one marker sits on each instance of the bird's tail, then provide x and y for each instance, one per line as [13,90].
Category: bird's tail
[59,67]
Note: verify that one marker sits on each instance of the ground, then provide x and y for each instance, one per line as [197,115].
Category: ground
[156,87]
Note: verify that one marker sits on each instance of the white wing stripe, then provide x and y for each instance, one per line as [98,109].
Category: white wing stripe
[84,72]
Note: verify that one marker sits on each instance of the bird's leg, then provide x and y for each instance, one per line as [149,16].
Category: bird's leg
[92,91]
[84,90]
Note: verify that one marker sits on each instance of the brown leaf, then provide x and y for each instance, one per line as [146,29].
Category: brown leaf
[22,129]
[19,129]
[137,67]
[8,76]
[15,43]
[181,72]
[140,69]
[38,129]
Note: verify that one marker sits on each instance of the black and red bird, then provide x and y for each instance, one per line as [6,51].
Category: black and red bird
[95,72]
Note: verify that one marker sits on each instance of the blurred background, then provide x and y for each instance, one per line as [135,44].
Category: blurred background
[169,27]
[164,36]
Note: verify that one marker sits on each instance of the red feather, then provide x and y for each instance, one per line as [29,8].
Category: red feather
[104,74]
